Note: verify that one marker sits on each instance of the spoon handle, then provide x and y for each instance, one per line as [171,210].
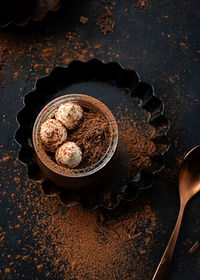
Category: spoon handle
[162,268]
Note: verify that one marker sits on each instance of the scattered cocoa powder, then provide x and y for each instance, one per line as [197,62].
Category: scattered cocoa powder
[73,242]
[136,139]
[104,21]
[70,47]
[93,249]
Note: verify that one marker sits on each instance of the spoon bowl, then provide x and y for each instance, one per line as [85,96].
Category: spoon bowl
[189,185]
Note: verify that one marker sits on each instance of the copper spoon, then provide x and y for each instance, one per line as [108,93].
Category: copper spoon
[189,185]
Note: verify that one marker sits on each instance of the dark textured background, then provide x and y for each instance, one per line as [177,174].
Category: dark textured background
[162,43]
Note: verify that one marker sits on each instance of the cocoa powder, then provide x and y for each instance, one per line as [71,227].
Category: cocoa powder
[92,136]
[75,243]
[136,139]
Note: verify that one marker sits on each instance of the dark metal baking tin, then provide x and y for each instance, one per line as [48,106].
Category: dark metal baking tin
[88,76]
[37,12]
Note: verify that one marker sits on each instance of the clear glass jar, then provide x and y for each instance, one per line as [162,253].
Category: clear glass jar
[76,178]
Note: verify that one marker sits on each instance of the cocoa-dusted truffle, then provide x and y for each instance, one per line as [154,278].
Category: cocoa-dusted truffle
[69,114]
[68,155]
[52,134]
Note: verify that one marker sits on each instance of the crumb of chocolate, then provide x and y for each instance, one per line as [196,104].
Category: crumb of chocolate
[147,240]
[141,4]
[104,21]
[5,159]
[16,75]
[112,3]
[83,20]
[194,247]
[39,266]
[7,270]
[97,46]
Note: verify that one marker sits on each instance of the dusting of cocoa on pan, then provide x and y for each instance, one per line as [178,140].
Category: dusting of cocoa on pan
[136,138]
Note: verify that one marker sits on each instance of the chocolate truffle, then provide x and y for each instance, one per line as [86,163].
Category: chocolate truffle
[52,134]
[68,155]
[69,114]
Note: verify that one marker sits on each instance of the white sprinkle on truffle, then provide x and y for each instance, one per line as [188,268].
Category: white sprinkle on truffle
[52,134]
[69,114]
[69,155]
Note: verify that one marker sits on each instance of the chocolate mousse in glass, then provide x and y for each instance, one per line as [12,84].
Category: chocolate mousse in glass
[80,153]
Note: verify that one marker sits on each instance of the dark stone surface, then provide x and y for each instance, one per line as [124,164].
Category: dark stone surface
[161,43]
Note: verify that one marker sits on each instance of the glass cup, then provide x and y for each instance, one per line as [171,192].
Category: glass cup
[90,176]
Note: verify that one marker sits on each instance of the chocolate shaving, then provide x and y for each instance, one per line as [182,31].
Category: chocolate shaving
[135,236]
[92,136]
[104,21]
[108,11]
[147,240]
[194,247]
